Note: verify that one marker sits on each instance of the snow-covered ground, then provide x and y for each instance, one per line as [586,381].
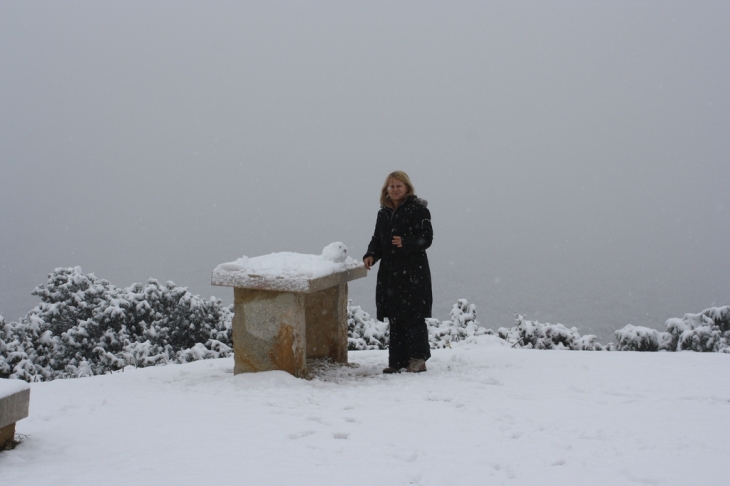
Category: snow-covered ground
[482,414]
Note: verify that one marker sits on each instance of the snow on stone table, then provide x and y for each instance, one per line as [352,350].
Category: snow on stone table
[483,414]
[285,271]
[11,387]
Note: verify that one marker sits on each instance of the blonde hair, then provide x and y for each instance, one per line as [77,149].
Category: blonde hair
[398,175]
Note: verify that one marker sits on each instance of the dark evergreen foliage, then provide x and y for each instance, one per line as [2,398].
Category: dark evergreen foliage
[86,326]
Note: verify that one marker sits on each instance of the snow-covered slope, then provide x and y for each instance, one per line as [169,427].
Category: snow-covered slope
[483,414]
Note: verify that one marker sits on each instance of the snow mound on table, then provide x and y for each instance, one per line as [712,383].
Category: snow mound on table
[292,265]
[335,252]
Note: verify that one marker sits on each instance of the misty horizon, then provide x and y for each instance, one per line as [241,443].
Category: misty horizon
[575,155]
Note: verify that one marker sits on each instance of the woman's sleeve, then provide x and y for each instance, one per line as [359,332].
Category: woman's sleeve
[422,232]
[374,248]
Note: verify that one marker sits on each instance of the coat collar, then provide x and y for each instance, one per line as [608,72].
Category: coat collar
[412,199]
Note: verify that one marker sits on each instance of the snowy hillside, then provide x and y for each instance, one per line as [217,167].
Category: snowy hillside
[483,414]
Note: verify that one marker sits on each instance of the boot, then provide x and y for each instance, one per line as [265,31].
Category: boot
[416,365]
[390,370]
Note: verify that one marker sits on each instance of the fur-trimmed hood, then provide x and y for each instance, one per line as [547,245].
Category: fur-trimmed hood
[413,198]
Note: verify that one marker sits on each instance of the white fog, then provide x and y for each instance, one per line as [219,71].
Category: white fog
[575,155]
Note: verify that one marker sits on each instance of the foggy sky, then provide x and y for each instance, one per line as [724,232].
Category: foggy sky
[575,155]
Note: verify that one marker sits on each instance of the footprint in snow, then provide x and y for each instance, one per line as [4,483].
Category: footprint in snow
[299,435]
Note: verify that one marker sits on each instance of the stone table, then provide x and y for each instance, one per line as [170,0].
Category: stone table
[281,320]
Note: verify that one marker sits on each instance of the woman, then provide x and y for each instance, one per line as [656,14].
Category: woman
[403,232]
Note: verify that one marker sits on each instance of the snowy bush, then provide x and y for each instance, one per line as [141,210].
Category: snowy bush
[640,338]
[364,332]
[86,326]
[533,334]
[589,342]
[462,325]
[708,331]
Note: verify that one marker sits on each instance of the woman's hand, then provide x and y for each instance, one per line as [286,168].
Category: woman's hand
[397,241]
[368,261]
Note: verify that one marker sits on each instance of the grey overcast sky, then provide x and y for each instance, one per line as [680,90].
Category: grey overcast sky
[575,154]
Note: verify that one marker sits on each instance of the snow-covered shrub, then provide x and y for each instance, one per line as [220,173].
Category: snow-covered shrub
[533,334]
[589,342]
[462,325]
[640,338]
[708,331]
[364,332]
[86,326]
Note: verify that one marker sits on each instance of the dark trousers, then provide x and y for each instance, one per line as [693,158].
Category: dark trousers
[408,339]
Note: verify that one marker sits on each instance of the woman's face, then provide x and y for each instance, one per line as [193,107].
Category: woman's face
[396,190]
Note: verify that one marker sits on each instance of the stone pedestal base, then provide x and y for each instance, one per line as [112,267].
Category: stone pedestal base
[7,434]
[275,330]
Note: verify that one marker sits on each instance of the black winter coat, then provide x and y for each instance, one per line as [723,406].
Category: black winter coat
[403,290]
